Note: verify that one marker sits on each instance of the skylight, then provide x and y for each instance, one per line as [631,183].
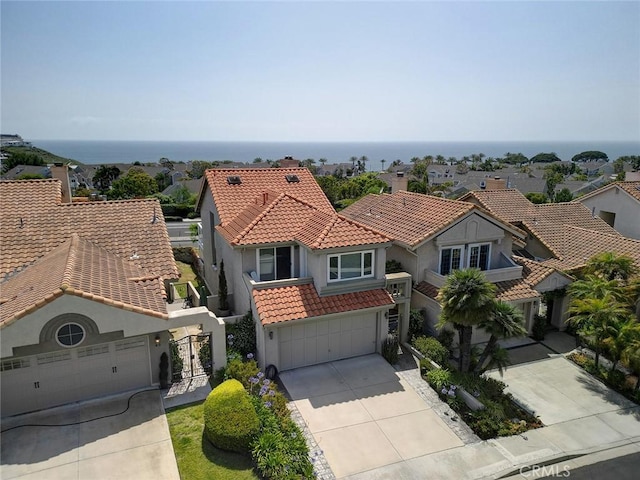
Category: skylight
[292,178]
[234,180]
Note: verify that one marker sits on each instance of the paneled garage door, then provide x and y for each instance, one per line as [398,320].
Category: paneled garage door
[50,379]
[326,340]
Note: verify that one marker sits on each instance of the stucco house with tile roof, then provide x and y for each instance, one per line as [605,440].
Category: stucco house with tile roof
[433,236]
[618,204]
[314,280]
[83,297]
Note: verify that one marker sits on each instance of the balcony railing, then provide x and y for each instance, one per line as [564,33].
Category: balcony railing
[399,285]
[505,270]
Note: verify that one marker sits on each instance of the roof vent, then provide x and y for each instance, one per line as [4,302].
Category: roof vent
[292,178]
[483,184]
[234,180]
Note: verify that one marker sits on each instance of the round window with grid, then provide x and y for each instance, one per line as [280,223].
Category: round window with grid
[70,335]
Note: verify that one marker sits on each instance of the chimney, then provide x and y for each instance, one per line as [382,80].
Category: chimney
[289,162]
[399,182]
[60,172]
[496,183]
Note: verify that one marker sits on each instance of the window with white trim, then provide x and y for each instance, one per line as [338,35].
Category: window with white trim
[479,256]
[348,266]
[451,259]
[274,263]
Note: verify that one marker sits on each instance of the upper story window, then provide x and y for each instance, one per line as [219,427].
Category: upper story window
[453,258]
[347,266]
[274,263]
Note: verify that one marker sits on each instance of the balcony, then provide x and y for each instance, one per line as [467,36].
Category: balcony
[399,286]
[505,270]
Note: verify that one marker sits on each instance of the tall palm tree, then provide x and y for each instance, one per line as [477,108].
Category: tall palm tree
[353,161]
[466,299]
[506,321]
[592,316]
[364,159]
[612,266]
[383,161]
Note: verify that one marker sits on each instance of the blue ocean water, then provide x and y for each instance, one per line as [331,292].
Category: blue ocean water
[100,152]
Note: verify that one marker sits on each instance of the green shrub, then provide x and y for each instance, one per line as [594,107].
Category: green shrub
[241,371]
[439,378]
[242,335]
[390,349]
[204,354]
[416,324]
[176,362]
[425,366]
[483,424]
[230,418]
[445,337]
[433,349]
[539,328]
[616,379]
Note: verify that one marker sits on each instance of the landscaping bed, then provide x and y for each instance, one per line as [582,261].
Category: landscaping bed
[494,412]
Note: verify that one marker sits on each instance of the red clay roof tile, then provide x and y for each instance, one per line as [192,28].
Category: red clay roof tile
[294,302]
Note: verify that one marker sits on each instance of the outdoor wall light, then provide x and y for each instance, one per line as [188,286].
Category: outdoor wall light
[270,334]
[157,339]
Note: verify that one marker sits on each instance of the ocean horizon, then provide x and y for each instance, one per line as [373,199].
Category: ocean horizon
[116,151]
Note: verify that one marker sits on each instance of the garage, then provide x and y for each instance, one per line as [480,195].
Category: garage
[308,343]
[72,375]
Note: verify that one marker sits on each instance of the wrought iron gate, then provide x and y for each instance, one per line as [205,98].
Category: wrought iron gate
[191,356]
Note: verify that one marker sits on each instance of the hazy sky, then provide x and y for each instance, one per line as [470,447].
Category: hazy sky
[341,71]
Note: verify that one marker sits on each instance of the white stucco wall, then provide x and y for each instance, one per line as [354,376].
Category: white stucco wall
[616,200]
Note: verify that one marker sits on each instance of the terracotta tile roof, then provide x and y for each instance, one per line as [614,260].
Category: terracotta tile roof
[509,204]
[412,218]
[79,267]
[34,222]
[577,245]
[533,272]
[231,200]
[294,302]
[509,291]
[283,218]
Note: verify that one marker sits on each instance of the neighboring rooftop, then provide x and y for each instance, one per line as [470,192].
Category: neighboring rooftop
[631,188]
[79,267]
[411,218]
[34,222]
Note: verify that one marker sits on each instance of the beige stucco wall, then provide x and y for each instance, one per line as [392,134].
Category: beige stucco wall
[616,200]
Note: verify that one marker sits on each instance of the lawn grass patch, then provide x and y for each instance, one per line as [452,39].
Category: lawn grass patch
[186,275]
[197,458]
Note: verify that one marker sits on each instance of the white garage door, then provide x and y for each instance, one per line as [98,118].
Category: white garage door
[46,380]
[326,340]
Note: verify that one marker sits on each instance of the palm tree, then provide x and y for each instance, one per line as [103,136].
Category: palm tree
[611,266]
[353,161]
[383,161]
[466,300]
[592,317]
[621,336]
[499,359]
[506,321]
[593,286]
[364,159]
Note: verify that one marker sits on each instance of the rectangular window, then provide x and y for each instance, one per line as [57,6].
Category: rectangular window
[14,364]
[450,259]
[347,266]
[274,263]
[479,256]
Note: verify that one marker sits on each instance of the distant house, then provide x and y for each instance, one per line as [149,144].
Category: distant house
[7,140]
[313,280]
[83,297]
[618,204]
[433,236]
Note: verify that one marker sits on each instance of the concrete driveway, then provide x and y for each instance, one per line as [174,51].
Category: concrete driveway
[134,444]
[558,391]
[364,416]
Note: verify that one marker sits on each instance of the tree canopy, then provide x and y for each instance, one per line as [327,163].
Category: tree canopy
[590,156]
[545,158]
[135,184]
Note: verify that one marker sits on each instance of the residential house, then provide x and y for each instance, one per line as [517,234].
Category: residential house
[313,280]
[433,236]
[618,204]
[83,297]
[563,236]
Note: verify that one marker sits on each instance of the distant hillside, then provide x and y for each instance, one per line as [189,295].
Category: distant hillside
[30,156]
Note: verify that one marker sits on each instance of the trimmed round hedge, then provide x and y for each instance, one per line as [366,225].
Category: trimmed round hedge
[230,419]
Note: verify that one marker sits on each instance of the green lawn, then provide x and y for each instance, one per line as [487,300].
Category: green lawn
[197,458]
[186,274]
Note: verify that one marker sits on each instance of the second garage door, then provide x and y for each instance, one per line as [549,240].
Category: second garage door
[326,340]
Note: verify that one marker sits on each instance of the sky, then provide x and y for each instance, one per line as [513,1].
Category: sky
[321,71]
